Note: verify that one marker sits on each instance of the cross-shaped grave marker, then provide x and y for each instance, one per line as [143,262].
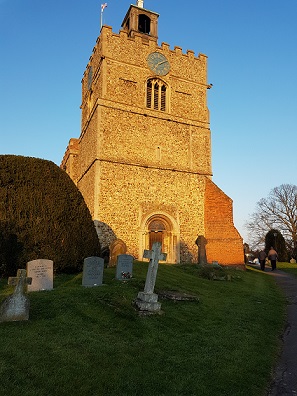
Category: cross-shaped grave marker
[201,242]
[16,306]
[148,300]
[20,281]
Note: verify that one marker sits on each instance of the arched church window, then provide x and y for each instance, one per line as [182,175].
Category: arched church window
[156,95]
[144,24]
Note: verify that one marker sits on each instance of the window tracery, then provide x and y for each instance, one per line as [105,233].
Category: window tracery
[156,94]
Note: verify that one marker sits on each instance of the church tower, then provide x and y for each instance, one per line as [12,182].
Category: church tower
[143,158]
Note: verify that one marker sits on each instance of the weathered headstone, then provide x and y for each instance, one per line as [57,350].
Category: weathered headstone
[42,273]
[93,271]
[124,267]
[216,264]
[201,242]
[116,248]
[16,306]
[148,300]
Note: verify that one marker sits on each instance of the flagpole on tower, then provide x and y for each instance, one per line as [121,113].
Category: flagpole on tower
[103,6]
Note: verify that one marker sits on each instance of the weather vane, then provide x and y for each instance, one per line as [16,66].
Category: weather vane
[103,6]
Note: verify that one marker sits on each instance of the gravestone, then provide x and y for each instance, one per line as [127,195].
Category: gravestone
[148,300]
[42,273]
[116,248]
[124,266]
[93,271]
[201,242]
[16,306]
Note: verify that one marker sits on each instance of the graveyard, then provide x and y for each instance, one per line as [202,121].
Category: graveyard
[89,339]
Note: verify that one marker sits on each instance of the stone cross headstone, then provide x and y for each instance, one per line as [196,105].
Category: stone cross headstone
[42,273]
[124,267]
[148,300]
[93,271]
[16,306]
[201,242]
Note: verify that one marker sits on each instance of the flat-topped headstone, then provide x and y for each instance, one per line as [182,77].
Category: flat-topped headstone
[148,300]
[16,306]
[42,273]
[124,266]
[93,271]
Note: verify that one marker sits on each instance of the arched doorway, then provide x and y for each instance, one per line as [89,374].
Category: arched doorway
[156,229]
[164,229]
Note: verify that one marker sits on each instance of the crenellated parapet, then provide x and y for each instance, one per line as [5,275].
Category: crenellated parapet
[108,39]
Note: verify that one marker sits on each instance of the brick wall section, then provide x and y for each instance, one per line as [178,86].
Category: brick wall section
[225,244]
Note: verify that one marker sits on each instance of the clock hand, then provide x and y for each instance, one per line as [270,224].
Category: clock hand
[160,63]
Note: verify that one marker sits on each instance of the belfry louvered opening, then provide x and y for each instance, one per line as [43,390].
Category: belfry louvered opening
[156,95]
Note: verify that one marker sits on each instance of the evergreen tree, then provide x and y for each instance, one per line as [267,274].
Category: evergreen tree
[42,215]
[275,239]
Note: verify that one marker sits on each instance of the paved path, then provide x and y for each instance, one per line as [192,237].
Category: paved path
[285,375]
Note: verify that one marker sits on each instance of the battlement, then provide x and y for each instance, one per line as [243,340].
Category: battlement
[109,38]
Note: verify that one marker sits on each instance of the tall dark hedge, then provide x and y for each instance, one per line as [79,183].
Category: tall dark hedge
[42,215]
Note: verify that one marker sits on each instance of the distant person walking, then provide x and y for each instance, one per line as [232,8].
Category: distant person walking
[262,258]
[272,256]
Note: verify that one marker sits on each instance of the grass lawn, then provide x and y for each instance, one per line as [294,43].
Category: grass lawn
[91,341]
[288,267]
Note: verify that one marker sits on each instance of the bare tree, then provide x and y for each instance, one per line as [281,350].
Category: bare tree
[277,211]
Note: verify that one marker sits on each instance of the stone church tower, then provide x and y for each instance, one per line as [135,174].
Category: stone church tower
[143,158]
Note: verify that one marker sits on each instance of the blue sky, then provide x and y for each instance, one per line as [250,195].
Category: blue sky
[252,64]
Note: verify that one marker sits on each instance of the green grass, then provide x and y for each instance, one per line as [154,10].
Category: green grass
[288,267]
[91,341]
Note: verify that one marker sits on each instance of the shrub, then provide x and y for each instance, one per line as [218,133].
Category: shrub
[42,215]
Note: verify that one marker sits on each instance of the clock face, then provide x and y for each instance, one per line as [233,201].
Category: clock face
[158,63]
[90,77]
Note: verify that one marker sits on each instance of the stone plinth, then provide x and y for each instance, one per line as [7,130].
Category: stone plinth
[148,302]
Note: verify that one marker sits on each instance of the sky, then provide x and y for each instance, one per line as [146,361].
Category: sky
[252,64]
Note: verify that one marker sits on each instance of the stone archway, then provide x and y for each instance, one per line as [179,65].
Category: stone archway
[157,231]
[162,228]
